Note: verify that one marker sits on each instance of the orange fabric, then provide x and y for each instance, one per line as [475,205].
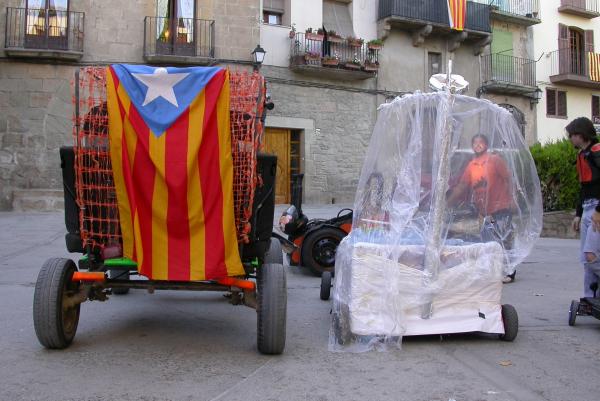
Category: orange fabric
[489,179]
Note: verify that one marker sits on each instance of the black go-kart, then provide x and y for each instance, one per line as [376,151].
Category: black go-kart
[588,306]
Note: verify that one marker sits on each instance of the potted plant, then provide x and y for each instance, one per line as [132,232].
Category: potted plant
[330,61]
[292,33]
[312,56]
[353,64]
[354,42]
[371,66]
[375,44]
[310,35]
[333,37]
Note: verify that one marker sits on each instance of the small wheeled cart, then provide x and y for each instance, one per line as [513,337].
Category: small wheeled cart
[92,220]
[588,306]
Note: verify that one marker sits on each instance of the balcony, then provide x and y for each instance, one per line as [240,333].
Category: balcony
[409,14]
[573,67]
[582,8]
[508,75]
[334,58]
[41,33]
[521,12]
[180,40]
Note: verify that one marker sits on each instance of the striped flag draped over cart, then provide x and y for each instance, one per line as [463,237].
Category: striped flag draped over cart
[457,10]
[170,150]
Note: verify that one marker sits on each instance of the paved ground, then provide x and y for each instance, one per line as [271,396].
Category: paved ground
[195,346]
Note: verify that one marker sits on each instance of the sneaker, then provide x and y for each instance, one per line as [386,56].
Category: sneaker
[508,279]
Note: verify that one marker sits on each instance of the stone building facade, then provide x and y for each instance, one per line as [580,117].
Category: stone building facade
[37,66]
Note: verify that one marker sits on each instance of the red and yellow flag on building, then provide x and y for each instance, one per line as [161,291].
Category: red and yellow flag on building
[457,10]
[594,66]
[170,150]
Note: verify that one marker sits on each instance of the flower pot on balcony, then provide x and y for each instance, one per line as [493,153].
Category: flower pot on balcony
[330,62]
[311,58]
[313,36]
[335,39]
[292,34]
[374,46]
[371,67]
[352,66]
[355,42]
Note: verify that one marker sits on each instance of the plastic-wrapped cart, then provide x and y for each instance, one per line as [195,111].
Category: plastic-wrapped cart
[420,260]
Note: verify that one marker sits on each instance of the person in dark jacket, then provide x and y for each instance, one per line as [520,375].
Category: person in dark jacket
[582,135]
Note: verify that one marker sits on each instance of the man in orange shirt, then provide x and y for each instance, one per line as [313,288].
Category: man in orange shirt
[488,180]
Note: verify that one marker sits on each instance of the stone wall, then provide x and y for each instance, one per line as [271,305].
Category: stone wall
[558,225]
[35,120]
[343,120]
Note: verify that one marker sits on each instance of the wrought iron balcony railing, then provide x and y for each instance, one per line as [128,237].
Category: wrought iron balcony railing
[508,70]
[334,52]
[436,12]
[522,8]
[584,5]
[190,37]
[42,29]
[575,67]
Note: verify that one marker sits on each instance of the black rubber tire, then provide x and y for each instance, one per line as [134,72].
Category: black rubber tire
[318,249]
[120,275]
[573,312]
[55,327]
[325,286]
[275,252]
[510,318]
[271,308]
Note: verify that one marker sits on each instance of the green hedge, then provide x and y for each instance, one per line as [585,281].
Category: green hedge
[555,164]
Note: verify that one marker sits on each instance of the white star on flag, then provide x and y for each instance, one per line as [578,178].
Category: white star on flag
[160,84]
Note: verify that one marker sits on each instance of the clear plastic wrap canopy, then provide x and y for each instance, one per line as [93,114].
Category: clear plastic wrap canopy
[447,204]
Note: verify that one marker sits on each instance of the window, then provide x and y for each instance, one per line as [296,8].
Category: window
[47,24]
[272,18]
[596,109]
[556,103]
[435,64]
[175,27]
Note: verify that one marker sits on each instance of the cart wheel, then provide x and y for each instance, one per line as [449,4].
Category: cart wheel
[54,320]
[573,312]
[120,275]
[511,323]
[275,253]
[325,286]
[318,250]
[271,309]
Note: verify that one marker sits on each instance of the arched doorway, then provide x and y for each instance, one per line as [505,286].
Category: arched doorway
[517,114]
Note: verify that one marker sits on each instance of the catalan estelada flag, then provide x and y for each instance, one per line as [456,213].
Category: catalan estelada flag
[594,66]
[457,10]
[170,149]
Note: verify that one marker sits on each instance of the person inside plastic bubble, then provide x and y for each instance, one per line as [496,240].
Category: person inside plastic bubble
[582,135]
[488,179]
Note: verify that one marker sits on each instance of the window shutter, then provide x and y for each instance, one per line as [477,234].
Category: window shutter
[589,41]
[561,104]
[563,36]
[550,102]
[595,109]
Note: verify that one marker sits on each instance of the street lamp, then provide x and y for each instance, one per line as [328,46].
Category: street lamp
[536,96]
[258,55]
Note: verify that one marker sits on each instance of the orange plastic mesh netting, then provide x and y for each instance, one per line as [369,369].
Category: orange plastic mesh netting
[96,197]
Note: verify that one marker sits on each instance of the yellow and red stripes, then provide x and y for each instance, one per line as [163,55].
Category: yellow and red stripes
[175,191]
[594,66]
[457,10]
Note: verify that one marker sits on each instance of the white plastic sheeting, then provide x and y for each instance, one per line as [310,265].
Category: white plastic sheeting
[436,226]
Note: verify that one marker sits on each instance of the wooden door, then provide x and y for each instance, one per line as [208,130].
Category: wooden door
[277,142]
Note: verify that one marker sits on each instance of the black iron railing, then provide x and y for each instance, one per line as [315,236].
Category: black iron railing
[523,8]
[436,11]
[43,29]
[312,49]
[584,5]
[179,37]
[508,69]
[575,61]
